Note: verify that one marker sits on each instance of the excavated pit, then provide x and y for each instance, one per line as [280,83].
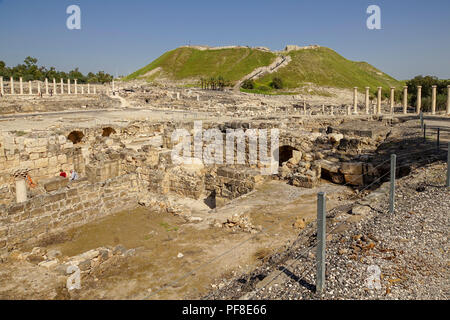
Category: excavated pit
[154,220]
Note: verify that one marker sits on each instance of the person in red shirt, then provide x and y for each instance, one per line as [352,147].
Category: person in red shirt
[62,173]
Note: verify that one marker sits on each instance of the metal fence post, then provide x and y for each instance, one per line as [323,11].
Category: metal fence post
[448,165]
[321,241]
[392,191]
[424,132]
[421,120]
[438,138]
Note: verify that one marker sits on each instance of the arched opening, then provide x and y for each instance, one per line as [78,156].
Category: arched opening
[284,154]
[210,201]
[108,131]
[75,136]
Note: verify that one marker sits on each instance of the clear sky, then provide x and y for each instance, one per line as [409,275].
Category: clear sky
[120,36]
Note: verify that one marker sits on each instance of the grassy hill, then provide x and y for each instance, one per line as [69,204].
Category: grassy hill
[325,67]
[189,63]
[319,66]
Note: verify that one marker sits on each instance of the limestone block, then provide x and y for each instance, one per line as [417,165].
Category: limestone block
[55,183]
[20,141]
[351,168]
[29,164]
[305,181]
[37,149]
[48,264]
[41,163]
[62,158]
[308,157]
[335,137]
[31,143]
[329,166]
[53,161]
[296,157]
[42,142]
[357,180]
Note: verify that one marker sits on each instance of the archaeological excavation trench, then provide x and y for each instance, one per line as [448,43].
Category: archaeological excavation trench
[135,221]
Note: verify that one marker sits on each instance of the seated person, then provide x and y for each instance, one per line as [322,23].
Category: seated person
[73,175]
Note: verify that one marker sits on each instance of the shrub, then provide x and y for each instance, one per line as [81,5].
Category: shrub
[263,88]
[441,103]
[277,83]
[248,84]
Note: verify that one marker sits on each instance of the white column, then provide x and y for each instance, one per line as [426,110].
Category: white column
[62,86]
[379,101]
[331,112]
[323,109]
[367,99]
[448,100]
[68,86]
[392,99]
[95,89]
[113,88]
[89,89]
[304,108]
[54,87]
[46,86]
[405,99]
[355,100]
[21,85]
[30,87]
[82,89]
[198,98]
[39,87]
[21,190]
[76,90]
[433,100]
[178,96]
[1,86]
[12,85]
[419,98]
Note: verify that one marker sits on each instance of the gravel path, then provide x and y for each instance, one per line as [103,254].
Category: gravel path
[407,251]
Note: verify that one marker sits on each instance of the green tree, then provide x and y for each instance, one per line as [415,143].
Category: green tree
[427,82]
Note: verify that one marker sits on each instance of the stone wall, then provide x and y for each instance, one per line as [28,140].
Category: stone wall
[42,156]
[42,216]
[228,183]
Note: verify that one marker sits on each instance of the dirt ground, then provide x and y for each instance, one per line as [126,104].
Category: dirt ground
[157,270]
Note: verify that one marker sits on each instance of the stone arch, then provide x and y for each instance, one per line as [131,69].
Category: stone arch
[75,136]
[108,131]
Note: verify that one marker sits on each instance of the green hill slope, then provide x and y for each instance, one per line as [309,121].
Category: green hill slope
[190,63]
[324,67]
[319,66]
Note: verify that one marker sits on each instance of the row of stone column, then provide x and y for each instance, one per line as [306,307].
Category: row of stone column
[47,87]
[405,100]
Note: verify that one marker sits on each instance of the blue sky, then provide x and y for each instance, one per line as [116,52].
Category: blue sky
[122,36]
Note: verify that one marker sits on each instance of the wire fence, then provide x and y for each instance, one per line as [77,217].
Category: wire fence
[430,155]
